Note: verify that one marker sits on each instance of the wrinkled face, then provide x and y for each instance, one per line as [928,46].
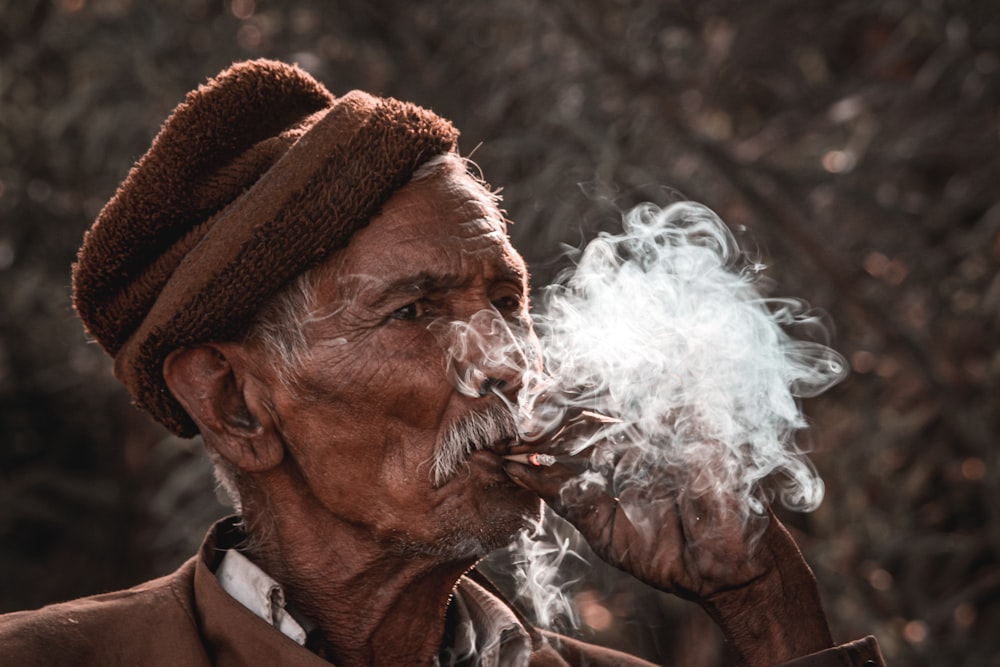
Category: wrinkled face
[374,403]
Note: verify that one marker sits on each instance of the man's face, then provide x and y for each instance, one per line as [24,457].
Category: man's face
[372,404]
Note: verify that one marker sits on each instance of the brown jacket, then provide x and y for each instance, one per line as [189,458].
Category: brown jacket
[187,619]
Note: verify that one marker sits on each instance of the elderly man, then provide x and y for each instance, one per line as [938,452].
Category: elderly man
[268,277]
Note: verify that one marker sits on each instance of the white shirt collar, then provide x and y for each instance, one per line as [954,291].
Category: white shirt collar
[485,626]
[259,593]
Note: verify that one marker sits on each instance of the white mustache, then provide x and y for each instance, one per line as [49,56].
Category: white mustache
[475,431]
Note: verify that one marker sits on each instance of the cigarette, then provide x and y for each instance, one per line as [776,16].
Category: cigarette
[598,417]
[537,459]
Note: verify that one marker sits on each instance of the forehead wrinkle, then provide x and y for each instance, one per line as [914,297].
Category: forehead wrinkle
[447,257]
[472,245]
[477,208]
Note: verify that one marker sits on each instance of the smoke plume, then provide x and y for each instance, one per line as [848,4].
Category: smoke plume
[667,328]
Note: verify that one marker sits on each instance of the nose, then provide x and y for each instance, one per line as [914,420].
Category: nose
[500,362]
[492,385]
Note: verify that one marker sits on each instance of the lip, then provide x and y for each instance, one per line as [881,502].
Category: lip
[520,447]
[490,465]
[487,458]
[503,447]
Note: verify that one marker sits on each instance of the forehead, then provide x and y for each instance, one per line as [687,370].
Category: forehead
[446,220]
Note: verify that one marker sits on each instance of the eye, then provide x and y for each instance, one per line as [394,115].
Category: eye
[411,311]
[508,304]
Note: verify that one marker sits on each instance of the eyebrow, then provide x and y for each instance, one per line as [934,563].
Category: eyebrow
[427,282]
[423,282]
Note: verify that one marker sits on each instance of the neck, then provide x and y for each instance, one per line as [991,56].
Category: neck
[371,606]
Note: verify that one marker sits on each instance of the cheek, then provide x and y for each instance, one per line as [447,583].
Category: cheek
[379,396]
[378,369]
[401,376]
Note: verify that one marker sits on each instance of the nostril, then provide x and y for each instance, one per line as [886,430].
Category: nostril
[491,385]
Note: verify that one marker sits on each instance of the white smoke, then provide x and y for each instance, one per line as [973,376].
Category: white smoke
[667,328]
[540,556]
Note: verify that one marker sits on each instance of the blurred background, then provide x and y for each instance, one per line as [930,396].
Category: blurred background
[856,141]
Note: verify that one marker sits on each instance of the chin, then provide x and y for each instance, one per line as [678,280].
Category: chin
[500,527]
[470,536]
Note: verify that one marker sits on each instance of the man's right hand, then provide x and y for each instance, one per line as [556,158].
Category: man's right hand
[751,579]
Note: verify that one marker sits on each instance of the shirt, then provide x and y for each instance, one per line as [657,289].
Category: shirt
[485,630]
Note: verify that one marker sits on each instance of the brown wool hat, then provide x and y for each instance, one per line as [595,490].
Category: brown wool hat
[256,177]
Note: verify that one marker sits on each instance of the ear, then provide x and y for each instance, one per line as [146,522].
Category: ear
[216,386]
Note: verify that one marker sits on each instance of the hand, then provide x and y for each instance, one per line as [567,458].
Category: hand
[750,578]
[669,539]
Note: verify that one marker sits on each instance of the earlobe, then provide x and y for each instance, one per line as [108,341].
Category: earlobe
[222,396]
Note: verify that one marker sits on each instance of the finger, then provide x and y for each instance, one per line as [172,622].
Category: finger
[549,480]
[545,481]
[582,499]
